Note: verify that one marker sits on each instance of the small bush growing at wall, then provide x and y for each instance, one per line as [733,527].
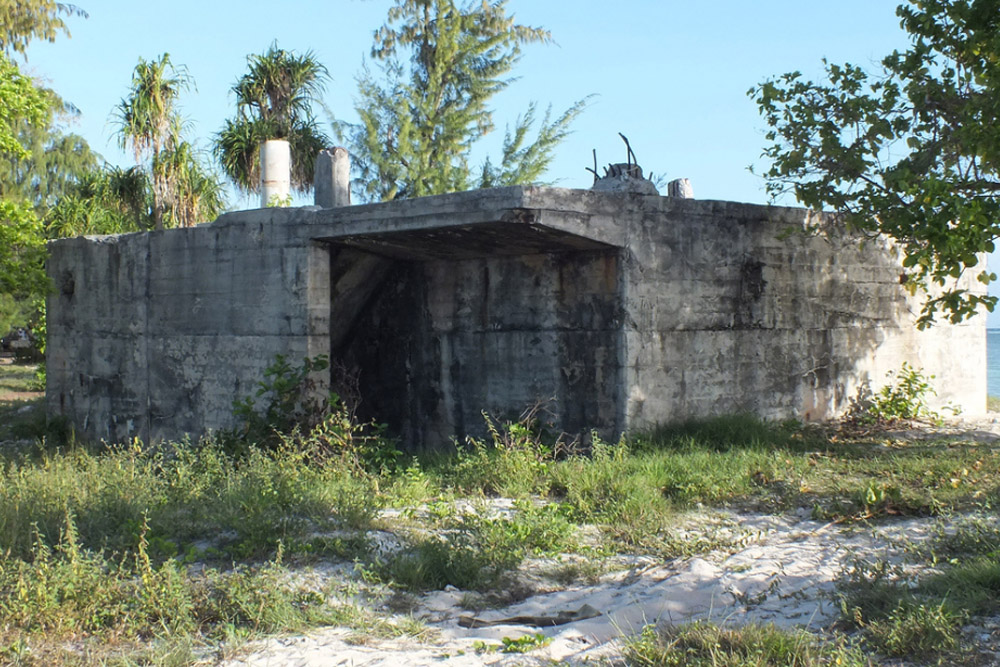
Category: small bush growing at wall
[289,399]
[295,415]
[903,398]
[277,201]
[514,461]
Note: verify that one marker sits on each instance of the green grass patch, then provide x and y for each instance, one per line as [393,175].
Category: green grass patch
[473,550]
[188,494]
[126,523]
[709,645]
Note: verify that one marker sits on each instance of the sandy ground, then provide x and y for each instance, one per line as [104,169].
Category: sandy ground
[780,570]
[769,569]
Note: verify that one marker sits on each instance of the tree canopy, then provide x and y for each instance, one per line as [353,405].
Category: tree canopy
[911,150]
[274,100]
[24,20]
[183,191]
[441,63]
[55,162]
[20,102]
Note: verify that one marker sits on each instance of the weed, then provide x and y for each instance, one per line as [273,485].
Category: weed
[289,400]
[515,462]
[916,630]
[963,536]
[708,645]
[524,643]
[733,432]
[871,589]
[475,551]
[277,201]
[904,396]
[294,415]
[903,616]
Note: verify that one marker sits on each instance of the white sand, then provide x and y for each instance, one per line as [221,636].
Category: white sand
[781,570]
[783,574]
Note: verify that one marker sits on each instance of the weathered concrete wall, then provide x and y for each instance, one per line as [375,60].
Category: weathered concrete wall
[737,308]
[627,310]
[448,339]
[161,332]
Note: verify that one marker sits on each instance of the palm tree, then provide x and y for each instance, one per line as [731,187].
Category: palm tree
[274,101]
[148,122]
[196,193]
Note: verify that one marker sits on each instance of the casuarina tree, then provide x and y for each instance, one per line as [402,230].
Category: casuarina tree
[441,62]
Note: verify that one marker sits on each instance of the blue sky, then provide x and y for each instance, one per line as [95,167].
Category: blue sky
[670,75]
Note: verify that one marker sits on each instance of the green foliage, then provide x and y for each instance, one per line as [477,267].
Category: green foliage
[290,400]
[195,191]
[294,415]
[904,398]
[524,163]
[274,101]
[245,506]
[475,551]
[912,151]
[441,62]
[68,590]
[104,201]
[23,282]
[56,160]
[897,615]
[13,313]
[705,644]
[20,102]
[277,201]
[24,20]
[183,192]
[916,630]
[514,461]
[522,644]
[97,541]
[732,432]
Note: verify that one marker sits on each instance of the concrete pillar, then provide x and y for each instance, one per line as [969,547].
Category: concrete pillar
[332,178]
[680,187]
[275,172]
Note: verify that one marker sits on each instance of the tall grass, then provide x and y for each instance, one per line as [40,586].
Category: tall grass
[184,492]
[100,541]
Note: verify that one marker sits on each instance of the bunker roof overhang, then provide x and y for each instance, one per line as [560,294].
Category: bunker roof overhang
[502,221]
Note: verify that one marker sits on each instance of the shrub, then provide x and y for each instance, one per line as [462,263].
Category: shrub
[903,398]
[514,462]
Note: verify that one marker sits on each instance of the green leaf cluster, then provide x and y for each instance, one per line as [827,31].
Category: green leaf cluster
[911,151]
[20,101]
[23,283]
[24,20]
[274,101]
[440,64]
[182,191]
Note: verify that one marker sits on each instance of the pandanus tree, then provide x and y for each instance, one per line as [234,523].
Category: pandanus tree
[182,190]
[274,101]
[148,122]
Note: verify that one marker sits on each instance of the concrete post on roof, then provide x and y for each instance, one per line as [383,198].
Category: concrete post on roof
[275,173]
[332,179]
[680,187]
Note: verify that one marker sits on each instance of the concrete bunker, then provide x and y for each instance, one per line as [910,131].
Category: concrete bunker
[621,310]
